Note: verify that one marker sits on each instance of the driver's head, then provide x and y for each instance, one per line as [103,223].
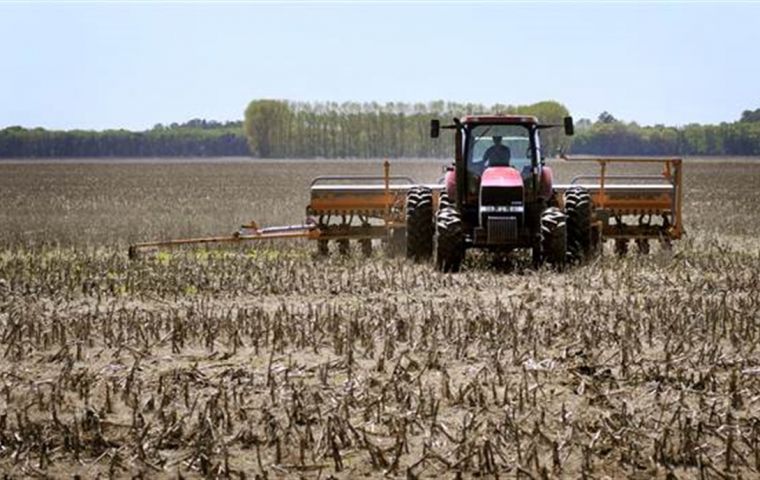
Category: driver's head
[497,139]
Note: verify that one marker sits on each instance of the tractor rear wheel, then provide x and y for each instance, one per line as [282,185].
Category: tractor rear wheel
[449,247]
[419,223]
[554,236]
[578,208]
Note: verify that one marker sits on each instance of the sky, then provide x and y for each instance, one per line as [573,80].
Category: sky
[99,65]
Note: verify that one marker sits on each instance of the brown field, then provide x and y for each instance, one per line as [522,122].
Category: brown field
[266,362]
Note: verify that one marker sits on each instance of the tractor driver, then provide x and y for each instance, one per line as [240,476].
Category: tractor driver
[497,154]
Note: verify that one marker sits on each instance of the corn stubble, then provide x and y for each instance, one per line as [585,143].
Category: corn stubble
[269,363]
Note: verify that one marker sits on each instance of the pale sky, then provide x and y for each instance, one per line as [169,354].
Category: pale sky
[131,65]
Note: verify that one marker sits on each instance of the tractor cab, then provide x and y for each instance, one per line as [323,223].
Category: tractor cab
[499,142]
[502,170]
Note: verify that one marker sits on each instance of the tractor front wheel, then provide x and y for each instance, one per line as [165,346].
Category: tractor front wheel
[419,223]
[449,246]
[554,236]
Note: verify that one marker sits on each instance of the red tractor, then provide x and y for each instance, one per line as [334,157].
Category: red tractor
[499,196]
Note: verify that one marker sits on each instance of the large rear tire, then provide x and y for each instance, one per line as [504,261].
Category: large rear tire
[449,240]
[578,209]
[419,223]
[554,237]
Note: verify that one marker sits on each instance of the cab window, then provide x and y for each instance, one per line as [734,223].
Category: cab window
[497,145]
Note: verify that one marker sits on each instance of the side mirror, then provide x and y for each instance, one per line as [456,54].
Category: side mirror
[569,127]
[435,128]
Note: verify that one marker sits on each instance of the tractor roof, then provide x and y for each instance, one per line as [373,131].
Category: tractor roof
[501,119]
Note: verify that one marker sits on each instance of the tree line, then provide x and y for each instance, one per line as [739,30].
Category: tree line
[196,138]
[279,129]
[609,136]
[284,129]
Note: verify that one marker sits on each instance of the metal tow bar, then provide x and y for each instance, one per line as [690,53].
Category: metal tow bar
[247,233]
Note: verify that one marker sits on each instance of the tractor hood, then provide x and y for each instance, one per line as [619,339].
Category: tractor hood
[501,203]
[501,187]
[501,177]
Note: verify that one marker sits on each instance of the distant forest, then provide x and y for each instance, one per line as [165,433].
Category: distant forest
[283,129]
[196,138]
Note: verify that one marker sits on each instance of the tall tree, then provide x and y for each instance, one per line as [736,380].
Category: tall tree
[266,123]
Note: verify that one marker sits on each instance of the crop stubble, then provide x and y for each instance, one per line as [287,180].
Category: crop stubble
[265,361]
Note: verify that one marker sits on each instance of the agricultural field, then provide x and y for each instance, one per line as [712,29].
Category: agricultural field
[264,361]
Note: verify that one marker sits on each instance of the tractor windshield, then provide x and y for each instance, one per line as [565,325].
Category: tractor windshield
[497,145]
